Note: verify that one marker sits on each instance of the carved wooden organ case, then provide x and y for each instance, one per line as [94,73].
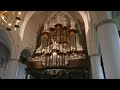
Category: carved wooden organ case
[61,49]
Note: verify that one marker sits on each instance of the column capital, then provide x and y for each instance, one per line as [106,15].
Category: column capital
[104,22]
[13,59]
[96,54]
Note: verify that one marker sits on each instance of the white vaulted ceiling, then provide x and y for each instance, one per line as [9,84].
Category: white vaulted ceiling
[40,17]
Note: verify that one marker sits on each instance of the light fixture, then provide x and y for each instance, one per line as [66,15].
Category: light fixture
[59,44]
[10,19]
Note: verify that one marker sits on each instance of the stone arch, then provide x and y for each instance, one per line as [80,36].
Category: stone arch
[7,38]
[84,14]
[31,13]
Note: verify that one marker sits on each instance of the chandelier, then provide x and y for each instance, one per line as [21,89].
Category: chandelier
[59,44]
[10,19]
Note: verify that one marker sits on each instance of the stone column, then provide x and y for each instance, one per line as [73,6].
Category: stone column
[97,72]
[94,54]
[11,69]
[110,48]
